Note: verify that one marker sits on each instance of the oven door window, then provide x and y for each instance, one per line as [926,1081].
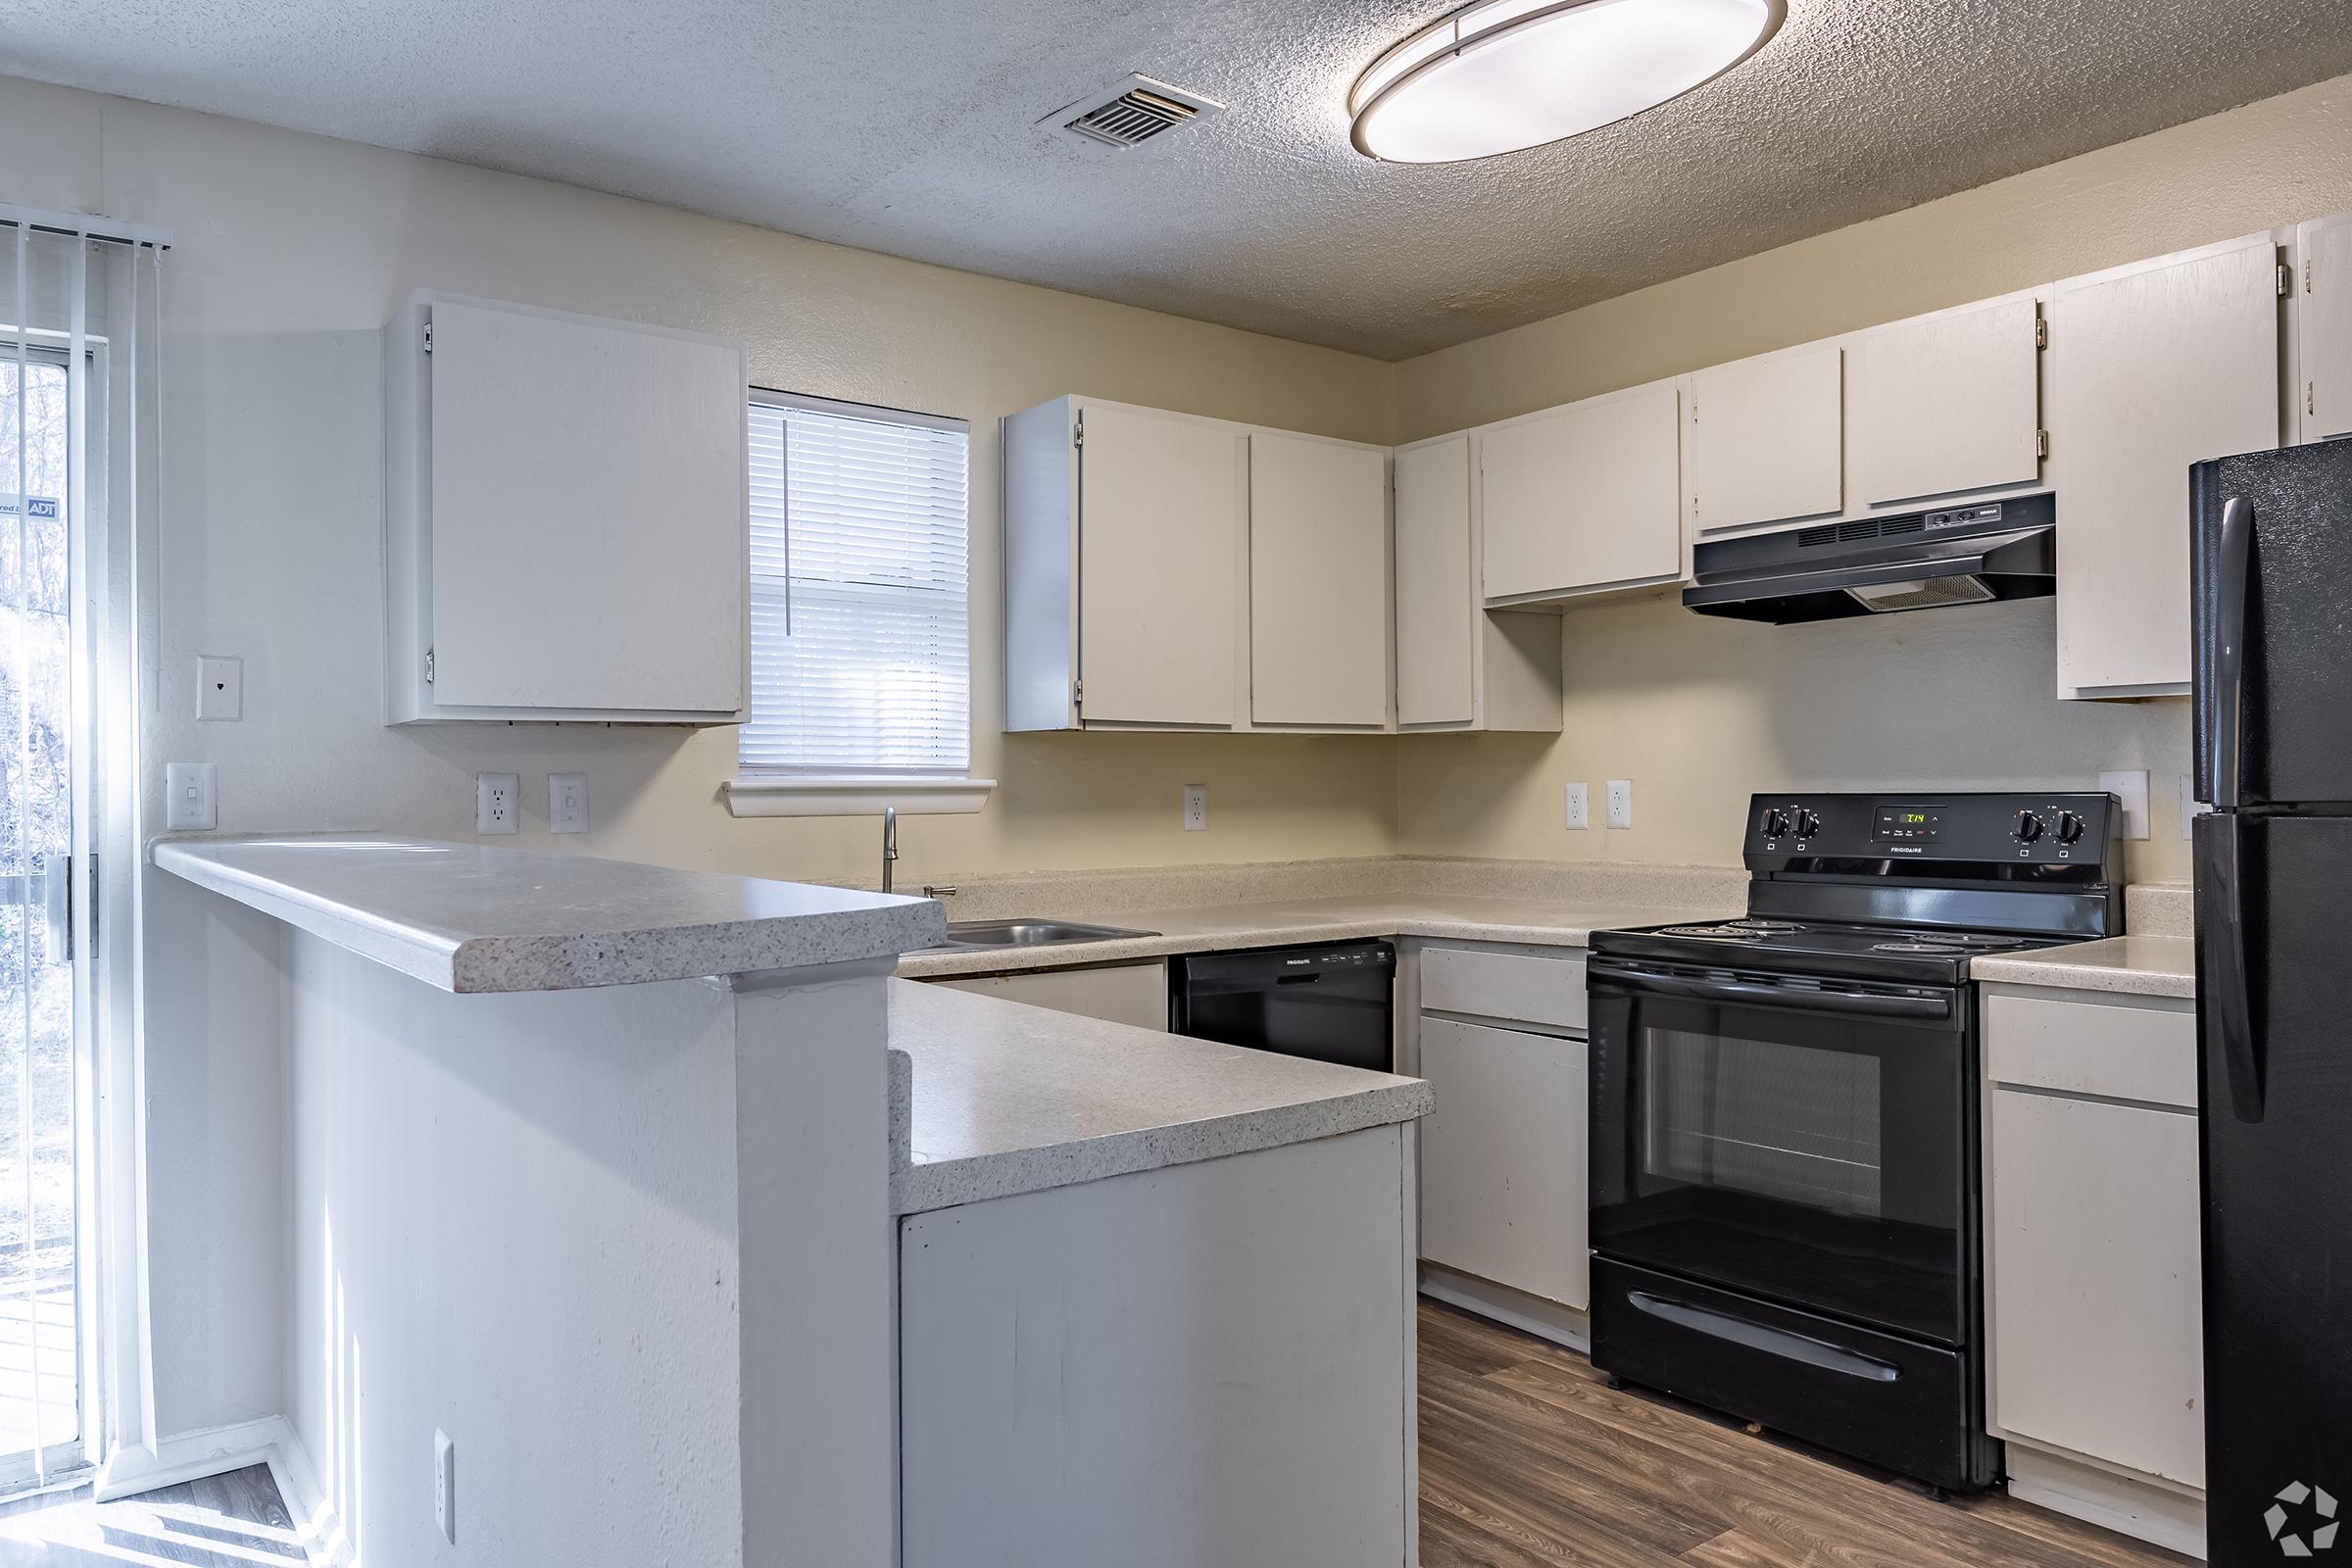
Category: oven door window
[1817,1159]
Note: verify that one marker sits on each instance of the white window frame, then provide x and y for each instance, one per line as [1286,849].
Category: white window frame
[760,792]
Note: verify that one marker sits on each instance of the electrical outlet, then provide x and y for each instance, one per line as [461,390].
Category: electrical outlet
[1621,803]
[219,687]
[567,803]
[1196,807]
[1576,807]
[188,796]
[445,1485]
[496,802]
[2130,787]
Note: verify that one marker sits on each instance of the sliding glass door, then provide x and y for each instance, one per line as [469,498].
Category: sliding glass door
[40,1421]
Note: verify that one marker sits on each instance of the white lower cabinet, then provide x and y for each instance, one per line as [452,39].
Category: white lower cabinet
[1498,1036]
[2091,1235]
[1503,1159]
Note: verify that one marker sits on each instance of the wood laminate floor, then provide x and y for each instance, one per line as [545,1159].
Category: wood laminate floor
[232,1521]
[1528,1457]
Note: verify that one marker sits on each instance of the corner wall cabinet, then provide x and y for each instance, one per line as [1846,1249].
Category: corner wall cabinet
[2152,368]
[1169,571]
[566,531]
[1318,582]
[1459,666]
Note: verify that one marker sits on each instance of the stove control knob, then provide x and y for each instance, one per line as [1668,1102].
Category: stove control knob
[2070,827]
[2028,829]
[1807,824]
[1776,823]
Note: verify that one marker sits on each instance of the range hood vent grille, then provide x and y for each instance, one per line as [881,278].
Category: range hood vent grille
[1840,533]
[1129,113]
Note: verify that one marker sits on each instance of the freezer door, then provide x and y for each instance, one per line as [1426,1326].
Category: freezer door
[2277,1189]
[2271,586]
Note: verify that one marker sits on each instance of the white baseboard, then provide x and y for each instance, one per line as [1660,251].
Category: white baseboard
[216,1450]
[1530,1314]
[2141,1509]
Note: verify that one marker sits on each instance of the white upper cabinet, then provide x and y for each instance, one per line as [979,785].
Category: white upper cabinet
[565,523]
[1583,497]
[1124,568]
[1434,595]
[2324,280]
[1318,582]
[1161,503]
[1944,404]
[1767,439]
[2152,368]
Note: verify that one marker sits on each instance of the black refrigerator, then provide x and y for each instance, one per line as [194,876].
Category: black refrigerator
[2270,559]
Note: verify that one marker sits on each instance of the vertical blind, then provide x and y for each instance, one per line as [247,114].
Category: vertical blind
[861,649]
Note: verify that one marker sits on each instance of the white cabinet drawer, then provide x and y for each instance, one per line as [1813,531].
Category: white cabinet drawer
[1517,986]
[2116,1050]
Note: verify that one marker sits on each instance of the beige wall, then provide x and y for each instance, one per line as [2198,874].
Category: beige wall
[291,250]
[1699,712]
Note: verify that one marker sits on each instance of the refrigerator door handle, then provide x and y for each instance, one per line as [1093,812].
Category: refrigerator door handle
[2225,1001]
[2225,731]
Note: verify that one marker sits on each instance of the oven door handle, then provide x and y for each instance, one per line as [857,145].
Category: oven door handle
[1758,1337]
[1864,1002]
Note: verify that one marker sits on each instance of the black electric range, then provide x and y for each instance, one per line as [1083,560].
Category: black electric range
[1785,1161]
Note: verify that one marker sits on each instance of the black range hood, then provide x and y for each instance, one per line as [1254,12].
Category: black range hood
[1876,566]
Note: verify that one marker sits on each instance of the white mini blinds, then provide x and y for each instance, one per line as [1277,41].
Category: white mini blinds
[861,647]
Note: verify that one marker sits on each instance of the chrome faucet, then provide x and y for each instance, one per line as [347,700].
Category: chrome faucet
[890,843]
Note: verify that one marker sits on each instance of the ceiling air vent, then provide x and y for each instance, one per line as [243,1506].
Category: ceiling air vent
[1129,114]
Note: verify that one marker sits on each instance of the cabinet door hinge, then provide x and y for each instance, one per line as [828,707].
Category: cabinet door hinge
[2311,397]
[428,337]
[1077,694]
[2041,443]
[2042,330]
[2306,274]
[428,667]
[2286,280]
[1078,432]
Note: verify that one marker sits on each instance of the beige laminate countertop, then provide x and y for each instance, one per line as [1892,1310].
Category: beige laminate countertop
[1546,922]
[1004,1098]
[2140,966]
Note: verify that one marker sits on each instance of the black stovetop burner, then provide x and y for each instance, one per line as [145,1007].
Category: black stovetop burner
[1906,886]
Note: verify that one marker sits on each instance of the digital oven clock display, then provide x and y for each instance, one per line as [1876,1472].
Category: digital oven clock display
[1907,824]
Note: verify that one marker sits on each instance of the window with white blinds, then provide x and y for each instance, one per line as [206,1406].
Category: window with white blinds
[860,648]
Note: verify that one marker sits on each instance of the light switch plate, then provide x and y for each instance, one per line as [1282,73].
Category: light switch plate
[2130,787]
[1196,807]
[1576,812]
[188,796]
[219,687]
[1621,803]
[567,803]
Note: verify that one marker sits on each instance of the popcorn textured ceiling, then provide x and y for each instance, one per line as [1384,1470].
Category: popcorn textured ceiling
[908,128]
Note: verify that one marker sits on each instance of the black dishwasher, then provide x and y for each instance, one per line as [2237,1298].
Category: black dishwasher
[1326,1002]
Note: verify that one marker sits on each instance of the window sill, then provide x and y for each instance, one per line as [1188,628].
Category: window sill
[850,795]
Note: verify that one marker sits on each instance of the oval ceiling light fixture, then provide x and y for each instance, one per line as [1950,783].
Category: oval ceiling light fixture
[1505,74]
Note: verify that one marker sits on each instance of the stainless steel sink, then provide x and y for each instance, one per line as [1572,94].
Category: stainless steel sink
[1030,933]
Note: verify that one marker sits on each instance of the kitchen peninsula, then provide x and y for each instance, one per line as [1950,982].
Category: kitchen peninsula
[639,1134]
